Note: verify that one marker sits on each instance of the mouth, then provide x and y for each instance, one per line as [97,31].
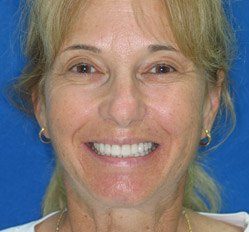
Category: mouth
[123,151]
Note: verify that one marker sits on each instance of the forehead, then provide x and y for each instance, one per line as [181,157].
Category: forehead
[109,23]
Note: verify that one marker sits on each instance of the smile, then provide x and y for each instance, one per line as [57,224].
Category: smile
[123,151]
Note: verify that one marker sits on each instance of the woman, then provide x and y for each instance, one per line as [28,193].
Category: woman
[126,92]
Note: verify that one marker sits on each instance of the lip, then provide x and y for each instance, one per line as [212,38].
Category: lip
[121,162]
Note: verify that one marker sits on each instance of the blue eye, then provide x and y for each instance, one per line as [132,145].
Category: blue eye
[161,69]
[83,69]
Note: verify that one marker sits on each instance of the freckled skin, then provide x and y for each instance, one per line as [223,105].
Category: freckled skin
[124,101]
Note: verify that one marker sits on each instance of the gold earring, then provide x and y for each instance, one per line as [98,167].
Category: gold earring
[42,137]
[207,140]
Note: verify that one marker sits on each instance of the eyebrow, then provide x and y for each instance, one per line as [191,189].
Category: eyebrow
[152,48]
[83,47]
[158,47]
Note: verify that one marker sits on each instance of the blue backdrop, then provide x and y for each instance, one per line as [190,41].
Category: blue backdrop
[26,164]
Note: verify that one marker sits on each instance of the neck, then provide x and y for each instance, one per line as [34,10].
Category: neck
[164,216]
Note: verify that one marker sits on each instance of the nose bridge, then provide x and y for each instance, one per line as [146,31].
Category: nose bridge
[123,104]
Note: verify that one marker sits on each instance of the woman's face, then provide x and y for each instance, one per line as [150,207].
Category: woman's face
[121,87]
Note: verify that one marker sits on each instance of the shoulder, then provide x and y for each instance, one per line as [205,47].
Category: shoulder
[29,227]
[237,222]
[34,226]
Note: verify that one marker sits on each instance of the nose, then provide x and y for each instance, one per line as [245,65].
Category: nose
[123,104]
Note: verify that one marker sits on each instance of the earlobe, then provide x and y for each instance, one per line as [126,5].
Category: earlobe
[42,137]
[39,111]
[207,139]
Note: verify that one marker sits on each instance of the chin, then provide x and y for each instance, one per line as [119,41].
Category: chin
[125,192]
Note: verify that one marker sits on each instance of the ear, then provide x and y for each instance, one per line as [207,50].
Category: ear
[40,110]
[212,102]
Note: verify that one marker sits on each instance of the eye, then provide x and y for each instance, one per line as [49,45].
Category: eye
[83,68]
[161,69]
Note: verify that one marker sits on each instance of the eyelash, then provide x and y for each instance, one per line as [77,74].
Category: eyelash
[80,70]
[164,68]
[157,69]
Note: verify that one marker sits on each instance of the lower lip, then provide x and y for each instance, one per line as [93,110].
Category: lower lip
[122,162]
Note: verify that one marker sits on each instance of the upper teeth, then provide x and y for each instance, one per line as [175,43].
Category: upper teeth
[127,150]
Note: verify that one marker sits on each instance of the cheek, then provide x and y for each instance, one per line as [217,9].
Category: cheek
[179,116]
[68,110]
[178,111]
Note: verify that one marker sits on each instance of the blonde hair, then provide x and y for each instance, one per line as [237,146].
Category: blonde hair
[201,31]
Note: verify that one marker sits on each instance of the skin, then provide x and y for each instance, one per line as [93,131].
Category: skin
[124,101]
